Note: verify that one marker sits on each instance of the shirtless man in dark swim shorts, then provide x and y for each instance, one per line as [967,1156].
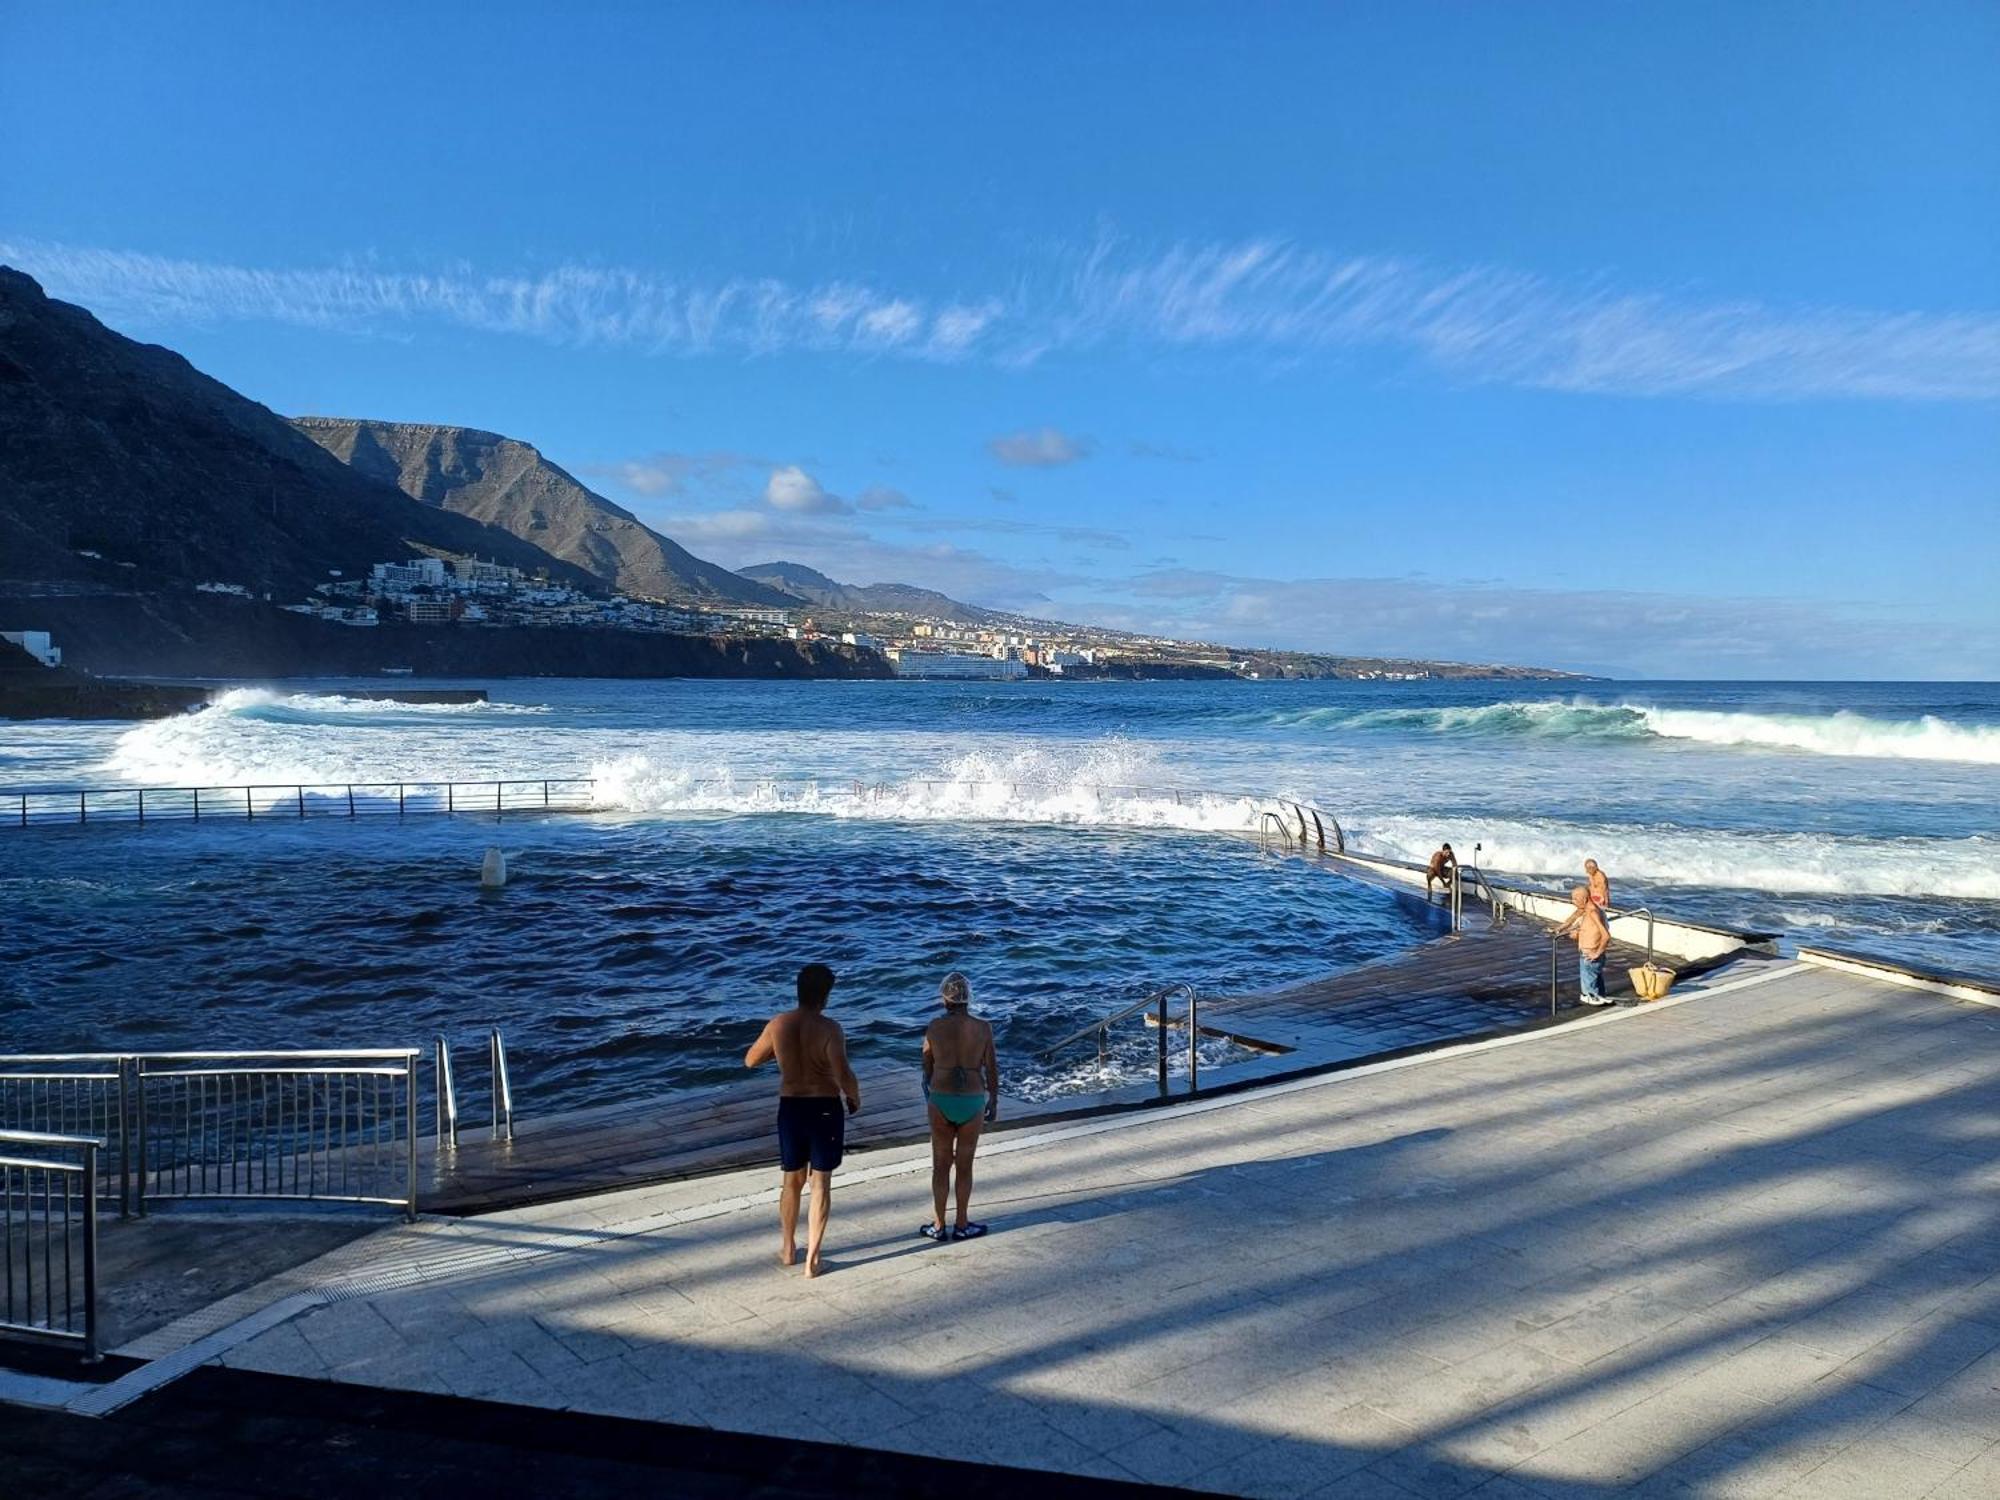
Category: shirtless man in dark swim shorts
[813,1077]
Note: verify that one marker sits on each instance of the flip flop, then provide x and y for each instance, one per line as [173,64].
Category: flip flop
[932,1232]
[970,1232]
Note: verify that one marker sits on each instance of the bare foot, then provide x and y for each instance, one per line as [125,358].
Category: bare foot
[813,1266]
[787,1255]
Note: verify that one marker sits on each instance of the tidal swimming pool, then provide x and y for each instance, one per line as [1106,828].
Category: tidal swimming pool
[631,955]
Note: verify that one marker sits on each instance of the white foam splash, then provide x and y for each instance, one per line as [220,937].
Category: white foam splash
[257,736]
[1109,785]
[1787,863]
[314,707]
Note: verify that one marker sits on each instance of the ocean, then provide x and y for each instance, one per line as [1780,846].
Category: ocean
[1043,836]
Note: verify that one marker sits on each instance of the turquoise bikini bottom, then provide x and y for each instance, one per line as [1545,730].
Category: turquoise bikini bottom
[959,1109]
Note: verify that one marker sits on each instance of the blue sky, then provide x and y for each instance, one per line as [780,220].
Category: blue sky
[1653,339]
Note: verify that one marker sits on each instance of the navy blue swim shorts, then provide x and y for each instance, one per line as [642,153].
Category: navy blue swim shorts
[811,1131]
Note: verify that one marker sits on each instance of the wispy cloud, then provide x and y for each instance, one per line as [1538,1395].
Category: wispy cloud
[1039,448]
[883,497]
[659,476]
[1477,324]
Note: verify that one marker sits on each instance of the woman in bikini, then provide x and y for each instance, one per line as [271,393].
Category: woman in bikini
[962,1083]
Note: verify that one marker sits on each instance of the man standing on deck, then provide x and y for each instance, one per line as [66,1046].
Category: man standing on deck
[1593,938]
[1600,886]
[813,1077]
[1439,869]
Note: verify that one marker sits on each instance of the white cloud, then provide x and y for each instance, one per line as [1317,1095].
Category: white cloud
[793,490]
[1476,323]
[1042,448]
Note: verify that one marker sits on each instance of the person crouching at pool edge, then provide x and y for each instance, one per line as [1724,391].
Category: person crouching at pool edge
[1593,938]
[962,1086]
[813,1077]
[1438,871]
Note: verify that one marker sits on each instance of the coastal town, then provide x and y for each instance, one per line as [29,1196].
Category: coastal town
[991,647]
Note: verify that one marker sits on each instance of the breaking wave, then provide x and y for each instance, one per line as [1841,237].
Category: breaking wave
[1108,785]
[1928,737]
[323,708]
[255,735]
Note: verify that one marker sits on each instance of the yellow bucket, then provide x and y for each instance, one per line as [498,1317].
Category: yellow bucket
[1651,981]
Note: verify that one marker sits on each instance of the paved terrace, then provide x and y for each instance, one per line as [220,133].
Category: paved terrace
[1480,982]
[1744,1243]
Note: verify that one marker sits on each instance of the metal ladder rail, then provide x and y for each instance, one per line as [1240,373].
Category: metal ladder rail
[1157,1000]
[447,1091]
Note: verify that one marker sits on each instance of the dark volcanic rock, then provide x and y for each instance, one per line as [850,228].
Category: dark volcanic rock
[507,483]
[205,635]
[125,450]
[29,690]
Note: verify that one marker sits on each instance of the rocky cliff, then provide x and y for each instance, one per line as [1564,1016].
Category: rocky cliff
[120,463]
[508,483]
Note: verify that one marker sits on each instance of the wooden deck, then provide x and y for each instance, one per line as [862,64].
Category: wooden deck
[1483,982]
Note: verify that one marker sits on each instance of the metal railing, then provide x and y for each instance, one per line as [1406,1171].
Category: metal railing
[1556,942]
[1163,1022]
[1637,911]
[1496,908]
[326,1126]
[447,1092]
[503,1090]
[48,1238]
[73,1094]
[27,807]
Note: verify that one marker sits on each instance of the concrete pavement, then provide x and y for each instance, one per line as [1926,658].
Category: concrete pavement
[1742,1245]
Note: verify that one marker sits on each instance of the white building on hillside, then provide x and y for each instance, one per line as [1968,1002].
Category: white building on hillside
[398,577]
[37,644]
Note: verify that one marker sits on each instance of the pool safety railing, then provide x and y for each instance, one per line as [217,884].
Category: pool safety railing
[331,1127]
[74,1094]
[324,1126]
[27,807]
[48,1238]
[1163,1023]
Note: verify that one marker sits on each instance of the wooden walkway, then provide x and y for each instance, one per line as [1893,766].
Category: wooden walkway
[1483,982]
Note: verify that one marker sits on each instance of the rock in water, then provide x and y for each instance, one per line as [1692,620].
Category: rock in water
[493,869]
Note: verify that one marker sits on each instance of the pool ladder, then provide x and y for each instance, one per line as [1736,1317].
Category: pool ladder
[1157,1001]
[447,1092]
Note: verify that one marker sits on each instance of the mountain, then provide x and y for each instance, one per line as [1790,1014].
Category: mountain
[869,599]
[120,463]
[507,483]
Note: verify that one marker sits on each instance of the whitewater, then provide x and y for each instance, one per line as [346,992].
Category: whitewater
[1869,811]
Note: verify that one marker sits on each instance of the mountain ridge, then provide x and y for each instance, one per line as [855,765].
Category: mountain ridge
[509,483]
[815,587]
[122,462]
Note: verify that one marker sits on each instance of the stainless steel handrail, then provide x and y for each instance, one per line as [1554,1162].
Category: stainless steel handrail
[1157,1000]
[503,1091]
[72,1094]
[1637,911]
[447,1098]
[24,1155]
